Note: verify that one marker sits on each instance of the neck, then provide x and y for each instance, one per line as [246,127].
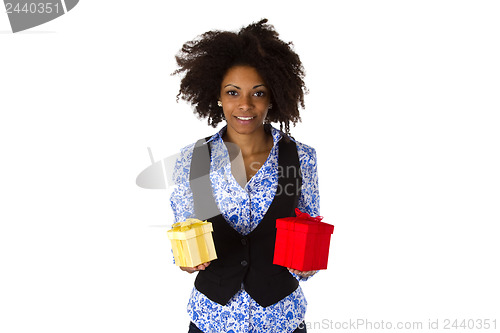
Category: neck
[249,144]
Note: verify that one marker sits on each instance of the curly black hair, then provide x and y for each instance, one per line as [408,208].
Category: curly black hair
[206,59]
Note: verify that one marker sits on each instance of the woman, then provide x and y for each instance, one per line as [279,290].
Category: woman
[248,80]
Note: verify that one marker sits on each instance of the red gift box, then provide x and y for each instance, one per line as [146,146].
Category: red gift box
[302,242]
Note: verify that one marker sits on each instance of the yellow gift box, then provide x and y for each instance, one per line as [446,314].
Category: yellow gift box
[192,242]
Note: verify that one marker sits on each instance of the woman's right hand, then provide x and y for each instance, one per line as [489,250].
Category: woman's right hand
[195,269]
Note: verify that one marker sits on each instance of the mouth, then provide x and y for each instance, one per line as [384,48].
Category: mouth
[245,118]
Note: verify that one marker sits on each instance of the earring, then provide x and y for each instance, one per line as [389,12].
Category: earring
[219,103]
[270,106]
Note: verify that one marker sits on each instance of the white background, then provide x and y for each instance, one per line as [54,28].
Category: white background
[403,111]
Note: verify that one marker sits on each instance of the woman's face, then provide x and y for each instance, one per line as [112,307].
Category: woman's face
[245,99]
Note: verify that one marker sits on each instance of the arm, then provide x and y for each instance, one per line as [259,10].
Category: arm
[181,199]
[309,195]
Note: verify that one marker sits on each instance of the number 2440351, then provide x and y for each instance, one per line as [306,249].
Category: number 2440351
[470,324]
[32,8]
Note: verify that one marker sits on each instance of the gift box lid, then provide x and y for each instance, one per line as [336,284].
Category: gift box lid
[304,223]
[189,229]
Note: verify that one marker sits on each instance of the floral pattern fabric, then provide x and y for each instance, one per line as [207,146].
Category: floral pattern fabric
[244,208]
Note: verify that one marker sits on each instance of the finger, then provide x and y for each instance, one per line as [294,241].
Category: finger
[187,269]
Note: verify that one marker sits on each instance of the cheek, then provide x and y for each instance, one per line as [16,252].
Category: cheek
[228,102]
[264,115]
[264,106]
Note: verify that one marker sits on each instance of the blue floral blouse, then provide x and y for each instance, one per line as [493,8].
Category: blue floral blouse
[244,208]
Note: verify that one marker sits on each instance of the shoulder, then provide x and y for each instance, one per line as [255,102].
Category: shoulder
[184,158]
[307,154]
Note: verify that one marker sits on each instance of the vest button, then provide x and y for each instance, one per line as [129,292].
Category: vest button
[244,241]
[244,263]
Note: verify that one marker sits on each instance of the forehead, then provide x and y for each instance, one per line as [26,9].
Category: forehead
[242,75]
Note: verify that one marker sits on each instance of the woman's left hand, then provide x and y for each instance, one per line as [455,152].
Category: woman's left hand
[303,274]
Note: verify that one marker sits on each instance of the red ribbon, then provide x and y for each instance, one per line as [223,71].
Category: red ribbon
[306,216]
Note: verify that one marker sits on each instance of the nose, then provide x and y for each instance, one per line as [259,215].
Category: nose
[245,103]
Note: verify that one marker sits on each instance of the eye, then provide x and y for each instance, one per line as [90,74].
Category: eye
[232,92]
[260,94]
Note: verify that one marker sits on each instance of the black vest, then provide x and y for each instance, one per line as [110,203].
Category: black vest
[246,259]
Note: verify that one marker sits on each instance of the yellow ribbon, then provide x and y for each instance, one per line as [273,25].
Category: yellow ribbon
[188,224]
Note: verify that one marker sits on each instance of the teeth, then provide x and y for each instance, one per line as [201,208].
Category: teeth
[244,118]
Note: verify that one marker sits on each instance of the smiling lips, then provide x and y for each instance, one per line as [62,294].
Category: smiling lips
[245,118]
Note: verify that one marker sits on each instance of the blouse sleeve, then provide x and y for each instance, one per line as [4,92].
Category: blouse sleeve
[309,195]
[181,198]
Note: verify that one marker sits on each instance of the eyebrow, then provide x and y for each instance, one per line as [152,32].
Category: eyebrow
[230,84]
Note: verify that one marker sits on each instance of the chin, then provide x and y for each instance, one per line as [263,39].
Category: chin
[246,129]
